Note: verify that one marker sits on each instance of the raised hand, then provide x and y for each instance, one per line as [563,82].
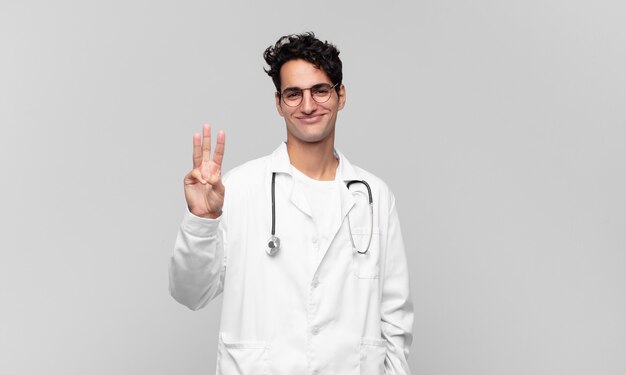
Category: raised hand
[204,190]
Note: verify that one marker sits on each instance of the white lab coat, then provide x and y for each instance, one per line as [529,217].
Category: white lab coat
[342,313]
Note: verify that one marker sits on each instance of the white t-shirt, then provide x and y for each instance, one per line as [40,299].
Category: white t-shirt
[325,203]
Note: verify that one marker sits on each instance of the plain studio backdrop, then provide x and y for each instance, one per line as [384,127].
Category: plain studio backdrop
[499,125]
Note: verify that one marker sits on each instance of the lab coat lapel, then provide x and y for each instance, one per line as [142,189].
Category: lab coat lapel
[346,173]
[298,199]
[280,163]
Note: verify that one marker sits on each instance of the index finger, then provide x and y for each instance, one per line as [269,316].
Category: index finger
[197,151]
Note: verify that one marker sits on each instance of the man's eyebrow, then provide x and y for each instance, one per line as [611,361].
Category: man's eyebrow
[298,88]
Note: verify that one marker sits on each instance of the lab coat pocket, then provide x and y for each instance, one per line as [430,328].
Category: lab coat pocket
[367,265]
[242,357]
[373,353]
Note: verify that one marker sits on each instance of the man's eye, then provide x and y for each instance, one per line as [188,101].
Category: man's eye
[292,94]
[321,91]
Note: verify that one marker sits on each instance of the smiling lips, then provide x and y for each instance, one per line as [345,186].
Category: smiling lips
[310,119]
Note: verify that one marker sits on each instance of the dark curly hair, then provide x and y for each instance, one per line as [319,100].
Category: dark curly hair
[305,46]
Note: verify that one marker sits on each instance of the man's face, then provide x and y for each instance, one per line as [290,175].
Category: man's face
[310,121]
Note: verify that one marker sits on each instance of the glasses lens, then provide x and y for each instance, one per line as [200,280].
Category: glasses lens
[321,93]
[292,97]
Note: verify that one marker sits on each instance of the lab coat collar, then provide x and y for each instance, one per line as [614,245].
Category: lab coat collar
[279,160]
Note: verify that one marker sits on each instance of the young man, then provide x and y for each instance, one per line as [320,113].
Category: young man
[305,246]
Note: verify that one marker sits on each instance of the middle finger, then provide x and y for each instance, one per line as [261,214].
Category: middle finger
[206,143]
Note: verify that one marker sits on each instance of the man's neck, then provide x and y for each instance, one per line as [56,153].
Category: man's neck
[315,160]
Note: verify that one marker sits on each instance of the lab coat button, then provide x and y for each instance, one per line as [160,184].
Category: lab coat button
[316,282]
[315,372]
[315,330]
[314,239]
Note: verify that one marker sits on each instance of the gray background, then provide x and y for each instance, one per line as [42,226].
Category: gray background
[499,125]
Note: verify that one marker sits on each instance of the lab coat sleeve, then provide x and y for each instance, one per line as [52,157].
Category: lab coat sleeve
[396,303]
[198,262]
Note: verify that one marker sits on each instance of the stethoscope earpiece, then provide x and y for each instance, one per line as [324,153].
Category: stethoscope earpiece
[273,244]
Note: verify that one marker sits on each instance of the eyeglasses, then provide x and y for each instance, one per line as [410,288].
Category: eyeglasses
[320,93]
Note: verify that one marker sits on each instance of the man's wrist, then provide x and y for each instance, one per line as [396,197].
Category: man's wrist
[213,215]
[204,214]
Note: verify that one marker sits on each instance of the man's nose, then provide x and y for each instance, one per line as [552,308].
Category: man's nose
[308,104]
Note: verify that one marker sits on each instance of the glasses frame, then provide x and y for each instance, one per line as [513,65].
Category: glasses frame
[282,96]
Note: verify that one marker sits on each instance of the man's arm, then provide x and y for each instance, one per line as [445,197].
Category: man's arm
[197,264]
[396,304]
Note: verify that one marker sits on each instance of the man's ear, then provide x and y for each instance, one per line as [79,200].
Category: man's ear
[278,107]
[342,96]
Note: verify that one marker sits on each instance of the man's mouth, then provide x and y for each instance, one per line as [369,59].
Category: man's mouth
[310,119]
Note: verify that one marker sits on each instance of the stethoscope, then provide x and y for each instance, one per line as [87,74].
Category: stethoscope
[273,243]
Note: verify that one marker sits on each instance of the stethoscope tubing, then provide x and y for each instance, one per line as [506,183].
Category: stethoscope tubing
[273,204]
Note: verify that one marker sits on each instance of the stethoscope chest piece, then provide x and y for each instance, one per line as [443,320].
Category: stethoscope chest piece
[273,244]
